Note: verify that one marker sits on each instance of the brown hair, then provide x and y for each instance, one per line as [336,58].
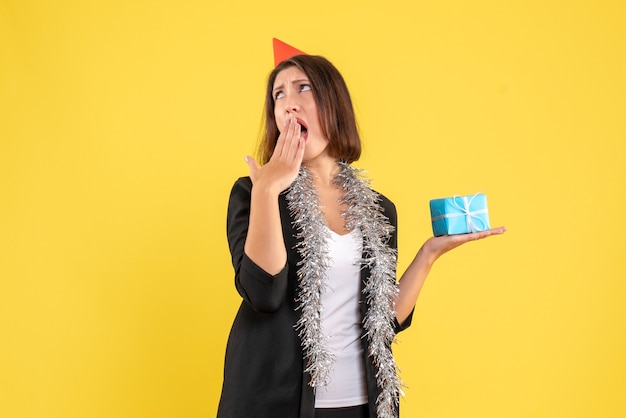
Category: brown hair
[334,108]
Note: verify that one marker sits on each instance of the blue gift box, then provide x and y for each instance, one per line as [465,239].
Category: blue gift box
[459,214]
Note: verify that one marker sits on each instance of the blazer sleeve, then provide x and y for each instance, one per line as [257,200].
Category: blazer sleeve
[392,215]
[263,291]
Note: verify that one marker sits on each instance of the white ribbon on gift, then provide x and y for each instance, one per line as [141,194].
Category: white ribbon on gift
[465,209]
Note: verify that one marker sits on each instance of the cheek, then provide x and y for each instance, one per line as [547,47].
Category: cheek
[280,122]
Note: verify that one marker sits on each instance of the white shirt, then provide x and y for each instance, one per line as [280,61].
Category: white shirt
[341,323]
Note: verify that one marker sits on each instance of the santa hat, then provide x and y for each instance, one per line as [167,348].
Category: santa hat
[283,51]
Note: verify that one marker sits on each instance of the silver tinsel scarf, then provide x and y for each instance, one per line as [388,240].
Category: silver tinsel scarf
[365,213]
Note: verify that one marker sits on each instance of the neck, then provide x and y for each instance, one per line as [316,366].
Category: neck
[323,172]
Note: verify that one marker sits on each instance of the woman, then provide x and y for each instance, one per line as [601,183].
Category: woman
[314,252]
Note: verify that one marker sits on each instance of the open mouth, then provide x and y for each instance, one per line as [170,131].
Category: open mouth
[304,131]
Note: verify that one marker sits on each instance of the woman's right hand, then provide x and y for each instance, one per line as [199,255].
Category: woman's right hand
[282,168]
[264,242]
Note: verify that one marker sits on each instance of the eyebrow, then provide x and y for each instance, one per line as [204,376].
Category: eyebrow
[306,80]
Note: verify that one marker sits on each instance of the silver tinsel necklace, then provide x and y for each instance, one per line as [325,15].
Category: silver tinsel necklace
[365,213]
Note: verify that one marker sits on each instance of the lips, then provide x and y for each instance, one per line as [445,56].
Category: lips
[304,130]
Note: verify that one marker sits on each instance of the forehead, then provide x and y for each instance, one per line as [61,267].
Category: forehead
[288,75]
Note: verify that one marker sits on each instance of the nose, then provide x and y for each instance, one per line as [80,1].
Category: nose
[291,105]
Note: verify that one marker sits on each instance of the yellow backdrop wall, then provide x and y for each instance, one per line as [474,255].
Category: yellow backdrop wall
[123,125]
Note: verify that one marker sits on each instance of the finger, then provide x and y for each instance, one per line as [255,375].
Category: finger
[477,235]
[300,151]
[282,139]
[287,143]
[484,234]
[254,166]
[292,144]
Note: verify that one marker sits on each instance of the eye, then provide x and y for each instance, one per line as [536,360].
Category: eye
[279,94]
[305,87]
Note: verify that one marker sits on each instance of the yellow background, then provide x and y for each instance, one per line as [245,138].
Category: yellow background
[123,125]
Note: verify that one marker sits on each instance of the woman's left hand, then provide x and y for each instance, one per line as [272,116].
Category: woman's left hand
[435,247]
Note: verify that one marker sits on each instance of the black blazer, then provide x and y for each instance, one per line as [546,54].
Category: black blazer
[263,371]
